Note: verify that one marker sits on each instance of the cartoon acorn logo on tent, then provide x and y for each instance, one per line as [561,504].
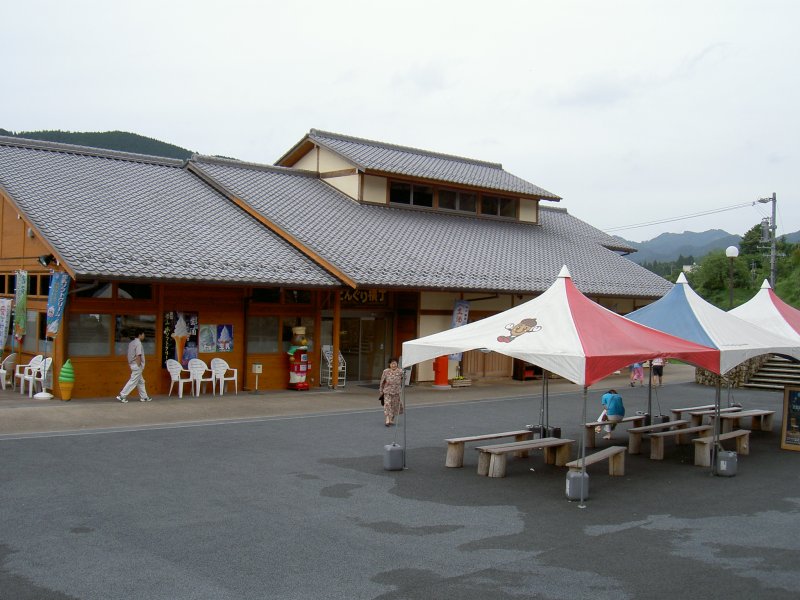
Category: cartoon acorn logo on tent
[518,329]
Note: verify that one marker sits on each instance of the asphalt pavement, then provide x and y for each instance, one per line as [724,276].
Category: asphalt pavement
[283,495]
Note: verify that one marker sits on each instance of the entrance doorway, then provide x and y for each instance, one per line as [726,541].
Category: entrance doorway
[363,342]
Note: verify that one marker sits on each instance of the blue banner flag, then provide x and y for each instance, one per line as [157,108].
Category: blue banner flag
[460,317]
[56,301]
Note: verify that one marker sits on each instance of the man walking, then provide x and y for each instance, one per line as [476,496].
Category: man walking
[136,363]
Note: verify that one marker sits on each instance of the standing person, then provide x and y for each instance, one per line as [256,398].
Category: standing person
[391,382]
[637,372]
[136,363]
[614,409]
[658,369]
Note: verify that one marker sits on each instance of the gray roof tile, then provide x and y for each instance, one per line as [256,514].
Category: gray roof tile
[120,215]
[401,160]
[381,246]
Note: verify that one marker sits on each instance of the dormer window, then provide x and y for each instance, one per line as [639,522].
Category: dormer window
[453,200]
[411,194]
[498,206]
[458,200]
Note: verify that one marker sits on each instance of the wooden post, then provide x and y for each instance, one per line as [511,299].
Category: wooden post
[337,326]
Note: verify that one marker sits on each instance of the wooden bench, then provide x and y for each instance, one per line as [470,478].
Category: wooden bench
[697,415]
[657,439]
[614,454]
[760,419]
[703,445]
[590,432]
[677,412]
[455,446]
[492,459]
[635,433]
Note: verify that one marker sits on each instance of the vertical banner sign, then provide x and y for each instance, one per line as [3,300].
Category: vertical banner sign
[460,317]
[5,315]
[21,305]
[56,301]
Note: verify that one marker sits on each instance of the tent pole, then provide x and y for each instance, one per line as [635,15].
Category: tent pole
[541,406]
[583,447]
[405,415]
[546,399]
[650,395]
[717,425]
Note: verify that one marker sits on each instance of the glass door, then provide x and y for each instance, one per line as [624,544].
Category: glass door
[373,348]
[363,343]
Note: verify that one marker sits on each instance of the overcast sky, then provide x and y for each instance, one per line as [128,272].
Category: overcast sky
[632,112]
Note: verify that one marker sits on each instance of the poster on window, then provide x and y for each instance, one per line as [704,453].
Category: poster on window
[180,336]
[208,338]
[224,338]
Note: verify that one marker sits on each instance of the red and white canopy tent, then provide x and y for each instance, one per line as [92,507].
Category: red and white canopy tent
[566,333]
[769,312]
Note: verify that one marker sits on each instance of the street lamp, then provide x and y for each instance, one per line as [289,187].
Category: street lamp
[731,252]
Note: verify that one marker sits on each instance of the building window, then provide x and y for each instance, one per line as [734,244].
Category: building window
[262,335]
[89,335]
[125,330]
[287,335]
[411,195]
[458,200]
[297,296]
[102,289]
[267,295]
[498,206]
[134,291]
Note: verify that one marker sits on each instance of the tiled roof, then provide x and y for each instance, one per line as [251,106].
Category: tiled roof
[114,214]
[400,160]
[379,246]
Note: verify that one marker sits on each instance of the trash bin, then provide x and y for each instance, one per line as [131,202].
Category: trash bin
[727,461]
[576,480]
[393,457]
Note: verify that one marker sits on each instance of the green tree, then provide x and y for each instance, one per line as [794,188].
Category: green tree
[751,241]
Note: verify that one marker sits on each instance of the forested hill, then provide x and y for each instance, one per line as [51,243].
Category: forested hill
[108,140]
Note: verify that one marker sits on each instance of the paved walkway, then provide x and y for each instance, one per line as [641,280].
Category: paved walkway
[22,415]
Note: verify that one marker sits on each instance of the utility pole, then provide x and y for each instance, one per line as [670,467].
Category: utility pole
[773,239]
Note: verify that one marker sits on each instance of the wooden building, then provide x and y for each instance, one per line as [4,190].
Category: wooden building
[363,243]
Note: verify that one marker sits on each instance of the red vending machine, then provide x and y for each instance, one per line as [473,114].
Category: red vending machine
[298,360]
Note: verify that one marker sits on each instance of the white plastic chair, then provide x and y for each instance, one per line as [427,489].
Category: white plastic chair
[38,376]
[200,374]
[220,368]
[7,370]
[22,371]
[176,372]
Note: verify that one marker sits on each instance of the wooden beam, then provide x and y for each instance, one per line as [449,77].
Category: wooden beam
[290,239]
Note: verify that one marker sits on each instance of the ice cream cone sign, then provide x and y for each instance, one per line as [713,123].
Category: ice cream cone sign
[66,381]
[180,335]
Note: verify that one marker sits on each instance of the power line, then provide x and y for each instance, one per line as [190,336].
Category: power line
[681,218]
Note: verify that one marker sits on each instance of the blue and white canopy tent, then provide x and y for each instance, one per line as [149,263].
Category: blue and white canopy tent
[683,313]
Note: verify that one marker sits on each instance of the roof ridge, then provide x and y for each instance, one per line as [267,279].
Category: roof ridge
[411,149]
[233,162]
[89,151]
[546,207]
